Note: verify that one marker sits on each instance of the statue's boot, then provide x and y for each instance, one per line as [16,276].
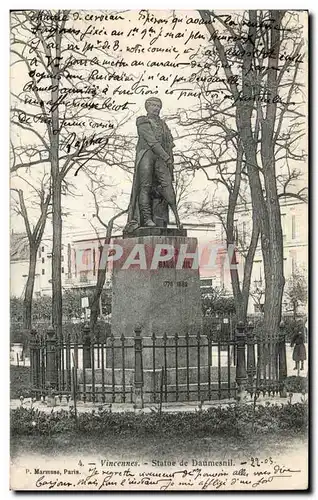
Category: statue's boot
[150,223]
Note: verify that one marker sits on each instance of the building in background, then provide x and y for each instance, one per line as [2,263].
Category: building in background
[19,263]
[19,266]
[82,263]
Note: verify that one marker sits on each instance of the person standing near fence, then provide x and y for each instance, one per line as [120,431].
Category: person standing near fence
[299,352]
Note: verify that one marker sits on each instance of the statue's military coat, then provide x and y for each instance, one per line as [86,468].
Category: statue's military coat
[153,134]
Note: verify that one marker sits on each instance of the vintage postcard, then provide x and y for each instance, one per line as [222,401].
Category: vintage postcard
[159,250]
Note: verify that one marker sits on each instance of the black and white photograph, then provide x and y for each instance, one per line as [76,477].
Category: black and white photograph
[159,320]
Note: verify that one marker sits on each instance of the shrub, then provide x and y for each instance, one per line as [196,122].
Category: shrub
[296,384]
[20,384]
[294,416]
[42,306]
[292,326]
[231,419]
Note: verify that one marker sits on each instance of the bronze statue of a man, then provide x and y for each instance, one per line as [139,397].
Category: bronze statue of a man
[152,190]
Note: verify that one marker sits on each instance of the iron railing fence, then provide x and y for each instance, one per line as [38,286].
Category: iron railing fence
[148,369]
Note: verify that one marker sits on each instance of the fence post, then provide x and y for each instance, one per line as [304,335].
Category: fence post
[251,369]
[282,361]
[51,359]
[34,359]
[241,377]
[87,358]
[139,379]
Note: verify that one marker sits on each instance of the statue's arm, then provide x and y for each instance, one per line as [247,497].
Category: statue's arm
[145,131]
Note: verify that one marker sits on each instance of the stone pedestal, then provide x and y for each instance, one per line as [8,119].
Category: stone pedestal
[157,297]
[156,305]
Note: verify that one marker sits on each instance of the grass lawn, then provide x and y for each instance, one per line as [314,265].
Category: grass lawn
[159,447]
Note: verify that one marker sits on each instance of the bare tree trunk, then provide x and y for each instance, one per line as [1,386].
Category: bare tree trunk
[248,267]
[101,274]
[244,113]
[56,258]
[34,240]
[28,297]
[274,276]
[294,310]
[101,278]
[230,237]
[56,202]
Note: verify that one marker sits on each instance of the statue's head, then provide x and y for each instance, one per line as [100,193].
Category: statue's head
[153,106]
